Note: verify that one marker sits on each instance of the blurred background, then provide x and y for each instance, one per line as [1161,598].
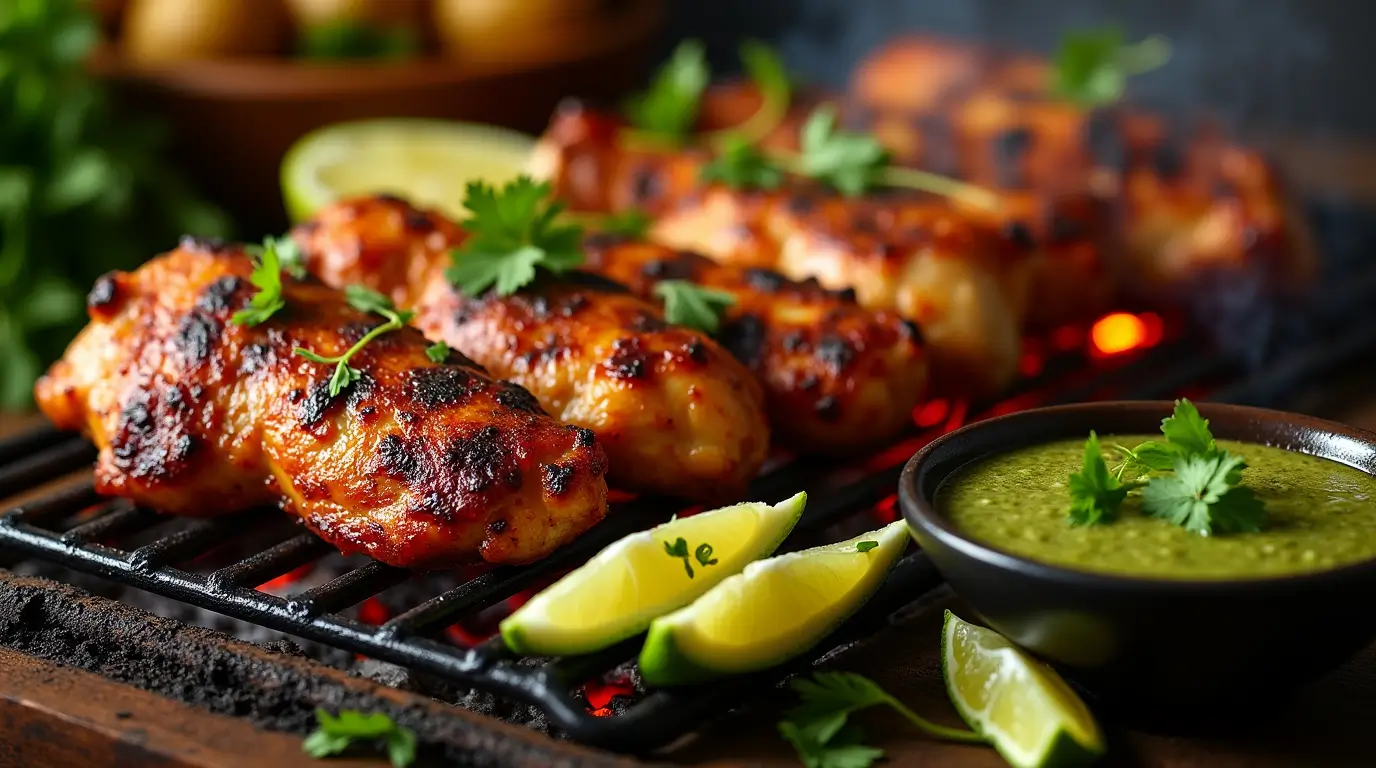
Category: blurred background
[124,123]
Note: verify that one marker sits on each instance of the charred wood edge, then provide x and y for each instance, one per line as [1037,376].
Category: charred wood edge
[272,690]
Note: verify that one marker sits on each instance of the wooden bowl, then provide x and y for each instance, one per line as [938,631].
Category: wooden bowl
[232,120]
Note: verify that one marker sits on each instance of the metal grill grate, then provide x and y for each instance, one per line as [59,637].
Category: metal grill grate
[1340,332]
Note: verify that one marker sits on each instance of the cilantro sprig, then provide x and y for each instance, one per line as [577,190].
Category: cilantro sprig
[437,352]
[365,300]
[1092,66]
[512,232]
[819,730]
[679,549]
[742,165]
[275,256]
[351,727]
[668,108]
[1197,485]
[691,305]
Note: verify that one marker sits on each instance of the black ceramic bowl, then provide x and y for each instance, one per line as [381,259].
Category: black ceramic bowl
[1154,647]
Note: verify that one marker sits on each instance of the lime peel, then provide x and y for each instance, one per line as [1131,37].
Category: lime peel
[617,593]
[772,611]
[1019,705]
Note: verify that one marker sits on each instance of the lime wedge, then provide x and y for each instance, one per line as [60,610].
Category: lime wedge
[1030,715]
[618,592]
[774,610]
[425,161]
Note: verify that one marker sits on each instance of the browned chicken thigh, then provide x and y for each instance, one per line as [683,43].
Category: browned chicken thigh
[418,464]
[677,414]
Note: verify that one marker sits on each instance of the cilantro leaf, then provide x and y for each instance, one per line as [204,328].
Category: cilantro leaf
[1095,495]
[336,734]
[267,278]
[741,165]
[1149,456]
[851,162]
[693,306]
[818,727]
[669,107]
[843,750]
[437,352]
[631,223]
[1187,432]
[512,232]
[1092,66]
[1204,497]
[368,300]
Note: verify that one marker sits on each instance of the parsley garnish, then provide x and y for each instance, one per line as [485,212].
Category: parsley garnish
[1203,493]
[631,223]
[364,300]
[849,161]
[741,165]
[1093,66]
[337,734]
[865,546]
[669,107]
[679,549]
[691,305]
[511,233]
[1204,497]
[437,352]
[275,256]
[817,727]
[1095,495]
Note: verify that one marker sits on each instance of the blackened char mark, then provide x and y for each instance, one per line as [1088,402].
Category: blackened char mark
[398,460]
[151,442]
[628,360]
[212,245]
[744,338]
[517,398]
[315,405]
[433,388]
[764,280]
[555,478]
[668,269]
[196,335]
[481,461]
[219,296]
[835,353]
[104,293]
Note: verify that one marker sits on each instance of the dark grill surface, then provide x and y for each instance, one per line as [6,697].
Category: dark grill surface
[1260,355]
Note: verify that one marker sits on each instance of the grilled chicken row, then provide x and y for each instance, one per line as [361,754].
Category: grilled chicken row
[964,281]
[676,414]
[417,464]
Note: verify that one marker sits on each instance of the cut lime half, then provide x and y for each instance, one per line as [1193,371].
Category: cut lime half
[428,162]
[618,592]
[1030,715]
[772,611]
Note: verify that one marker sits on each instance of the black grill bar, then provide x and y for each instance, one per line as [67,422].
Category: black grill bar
[28,443]
[35,469]
[196,539]
[121,519]
[349,589]
[270,563]
[68,500]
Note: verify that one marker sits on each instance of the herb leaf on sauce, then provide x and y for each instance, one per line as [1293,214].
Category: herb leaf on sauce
[1187,432]
[1204,496]
[691,305]
[1095,495]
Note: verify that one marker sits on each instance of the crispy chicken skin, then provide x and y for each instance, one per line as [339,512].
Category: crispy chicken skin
[836,376]
[418,464]
[676,413]
[963,280]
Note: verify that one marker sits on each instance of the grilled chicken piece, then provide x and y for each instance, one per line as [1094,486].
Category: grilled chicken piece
[1168,206]
[836,376]
[677,414]
[418,464]
[962,280]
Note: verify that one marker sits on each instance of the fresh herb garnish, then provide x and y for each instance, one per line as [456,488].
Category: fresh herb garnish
[1204,496]
[269,263]
[817,727]
[437,352]
[337,734]
[669,107]
[865,546]
[631,223]
[1092,66]
[365,300]
[512,232]
[679,549]
[691,305]
[741,165]
[1095,495]
[849,161]
[347,39]
[767,71]
[1203,493]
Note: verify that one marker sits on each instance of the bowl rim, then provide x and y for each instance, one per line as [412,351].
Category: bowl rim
[921,512]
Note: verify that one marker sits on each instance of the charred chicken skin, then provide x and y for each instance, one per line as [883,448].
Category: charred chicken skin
[418,464]
[962,280]
[676,413]
[836,376]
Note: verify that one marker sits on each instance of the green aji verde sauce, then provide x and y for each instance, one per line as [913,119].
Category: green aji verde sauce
[1320,514]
